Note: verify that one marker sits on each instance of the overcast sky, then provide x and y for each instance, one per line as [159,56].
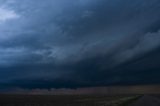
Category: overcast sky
[77,43]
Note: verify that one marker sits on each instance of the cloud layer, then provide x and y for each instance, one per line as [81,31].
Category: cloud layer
[52,43]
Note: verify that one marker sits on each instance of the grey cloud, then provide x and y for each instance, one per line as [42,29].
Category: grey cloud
[146,43]
[87,38]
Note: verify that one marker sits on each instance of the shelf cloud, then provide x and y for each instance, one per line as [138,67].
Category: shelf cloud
[68,44]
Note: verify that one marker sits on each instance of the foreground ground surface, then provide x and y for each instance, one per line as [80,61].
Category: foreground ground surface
[67,100]
[146,100]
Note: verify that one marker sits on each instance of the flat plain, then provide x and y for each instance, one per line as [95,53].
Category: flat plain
[67,100]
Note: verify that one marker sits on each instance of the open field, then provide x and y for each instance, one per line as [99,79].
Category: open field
[66,100]
[96,96]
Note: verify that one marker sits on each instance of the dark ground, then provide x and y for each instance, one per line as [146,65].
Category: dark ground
[67,100]
[79,100]
[146,100]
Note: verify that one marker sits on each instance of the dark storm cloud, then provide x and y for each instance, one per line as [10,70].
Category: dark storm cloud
[58,43]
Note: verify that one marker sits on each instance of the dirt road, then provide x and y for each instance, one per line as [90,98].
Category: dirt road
[147,101]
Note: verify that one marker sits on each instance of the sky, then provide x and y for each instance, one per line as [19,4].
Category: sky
[79,43]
